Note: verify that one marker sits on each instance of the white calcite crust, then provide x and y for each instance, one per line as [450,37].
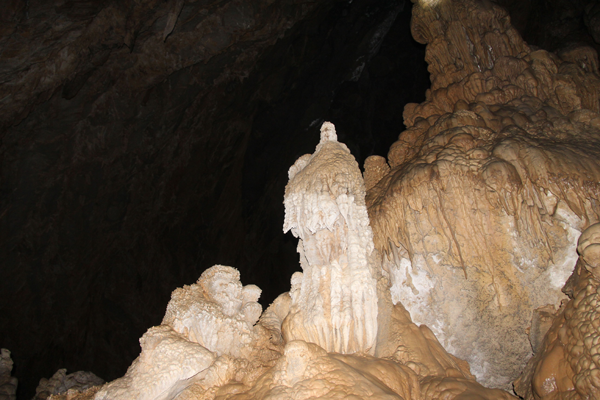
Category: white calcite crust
[167,365]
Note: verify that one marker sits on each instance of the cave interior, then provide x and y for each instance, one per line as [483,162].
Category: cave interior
[144,141]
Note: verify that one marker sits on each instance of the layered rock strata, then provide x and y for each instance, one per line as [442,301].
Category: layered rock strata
[479,206]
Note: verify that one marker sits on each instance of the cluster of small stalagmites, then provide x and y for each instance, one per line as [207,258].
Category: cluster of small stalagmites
[484,190]
[8,383]
[62,382]
[568,362]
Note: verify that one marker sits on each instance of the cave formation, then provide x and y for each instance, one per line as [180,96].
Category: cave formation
[144,142]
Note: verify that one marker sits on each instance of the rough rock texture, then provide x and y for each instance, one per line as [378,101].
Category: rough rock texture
[410,362]
[490,184]
[552,25]
[592,20]
[567,366]
[167,364]
[60,382]
[334,299]
[217,312]
[8,383]
[207,338]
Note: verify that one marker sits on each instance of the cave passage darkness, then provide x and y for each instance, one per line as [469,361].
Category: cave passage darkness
[131,163]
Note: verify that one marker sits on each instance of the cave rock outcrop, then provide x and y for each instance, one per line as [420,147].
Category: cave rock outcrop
[331,337]
[62,382]
[483,196]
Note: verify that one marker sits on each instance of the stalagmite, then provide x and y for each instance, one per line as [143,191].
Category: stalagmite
[336,301]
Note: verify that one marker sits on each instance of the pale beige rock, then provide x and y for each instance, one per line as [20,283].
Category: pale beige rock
[490,185]
[210,346]
[334,300]
[376,167]
[168,363]
[208,337]
[217,312]
[307,371]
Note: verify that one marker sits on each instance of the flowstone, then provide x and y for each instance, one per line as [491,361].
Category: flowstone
[483,196]
[568,363]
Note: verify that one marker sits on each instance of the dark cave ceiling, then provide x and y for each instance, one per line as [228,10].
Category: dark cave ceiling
[131,163]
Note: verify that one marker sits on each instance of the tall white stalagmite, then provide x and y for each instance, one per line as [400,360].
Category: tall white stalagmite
[334,301]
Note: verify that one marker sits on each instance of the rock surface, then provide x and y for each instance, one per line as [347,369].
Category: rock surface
[142,162]
[489,185]
[334,298]
[567,364]
[110,200]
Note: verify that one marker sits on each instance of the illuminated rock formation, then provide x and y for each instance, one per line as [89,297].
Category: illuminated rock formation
[469,228]
[490,184]
[217,312]
[208,337]
[334,301]
[568,362]
[210,345]
[168,364]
